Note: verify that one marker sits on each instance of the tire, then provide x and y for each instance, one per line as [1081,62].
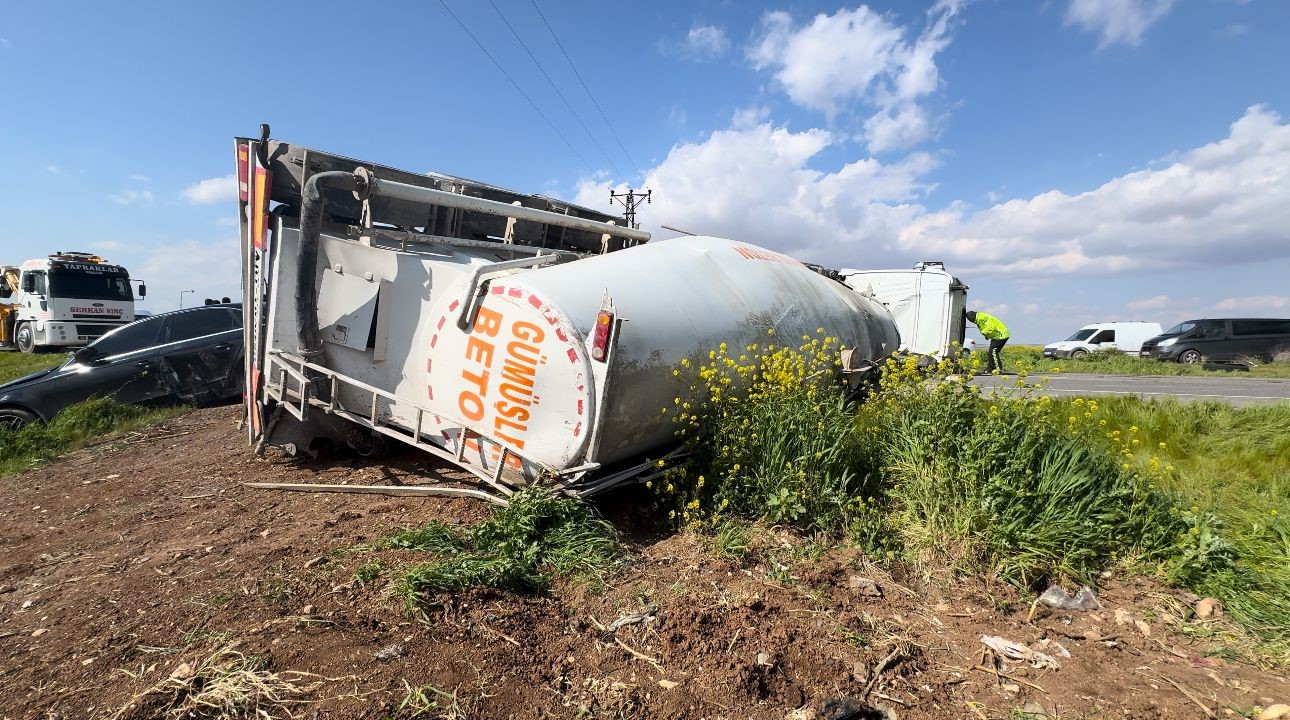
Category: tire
[16,418]
[375,449]
[1190,357]
[24,338]
[1078,353]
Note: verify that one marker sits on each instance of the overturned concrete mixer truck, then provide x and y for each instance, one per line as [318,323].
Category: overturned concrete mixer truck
[516,336]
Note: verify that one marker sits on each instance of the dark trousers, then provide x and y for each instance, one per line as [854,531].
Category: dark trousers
[996,355]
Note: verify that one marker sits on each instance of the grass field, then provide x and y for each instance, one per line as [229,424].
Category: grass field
[16,364]
[73,428]
[1030,359]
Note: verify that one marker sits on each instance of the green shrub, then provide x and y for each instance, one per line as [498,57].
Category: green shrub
[1028,488]
[522,547]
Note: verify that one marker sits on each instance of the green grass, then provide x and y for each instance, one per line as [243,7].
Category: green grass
[71,429]
[14,365]
[1030,359]
[1234,463]
[1027,489]
[523,547]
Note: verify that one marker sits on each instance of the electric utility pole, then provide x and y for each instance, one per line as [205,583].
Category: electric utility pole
[630,200]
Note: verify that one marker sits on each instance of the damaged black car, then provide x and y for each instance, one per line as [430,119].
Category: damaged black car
[191,356]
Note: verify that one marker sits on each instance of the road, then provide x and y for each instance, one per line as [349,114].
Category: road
[1234,390]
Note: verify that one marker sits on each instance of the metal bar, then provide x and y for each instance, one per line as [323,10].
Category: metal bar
[382,490]
[406,236]
[412,193]
[501,465]
[471,294]
[414,439]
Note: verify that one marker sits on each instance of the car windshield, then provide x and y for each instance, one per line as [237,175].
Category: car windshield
[89,286]
[1082,334]
[1180,328]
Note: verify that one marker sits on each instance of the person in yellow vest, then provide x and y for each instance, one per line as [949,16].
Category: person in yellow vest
[993,329]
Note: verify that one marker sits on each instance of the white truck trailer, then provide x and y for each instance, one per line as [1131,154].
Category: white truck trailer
[928,303]
[64,300]
[516,336]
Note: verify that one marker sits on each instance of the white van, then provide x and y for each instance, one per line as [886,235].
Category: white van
[1126,337]
[928,304]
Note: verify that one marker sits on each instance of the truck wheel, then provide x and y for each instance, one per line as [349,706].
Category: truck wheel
[25,338]
[1190,357]
[1078,353]
[16,418]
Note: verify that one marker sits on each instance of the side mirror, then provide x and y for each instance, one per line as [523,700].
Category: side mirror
[85,355]
[29,283]
[143,290]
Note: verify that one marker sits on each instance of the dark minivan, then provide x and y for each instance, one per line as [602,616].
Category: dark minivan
[1218,339]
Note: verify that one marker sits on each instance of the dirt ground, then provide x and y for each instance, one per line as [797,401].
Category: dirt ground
[131,562]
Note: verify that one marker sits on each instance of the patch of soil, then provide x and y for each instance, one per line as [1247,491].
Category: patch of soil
[123,562]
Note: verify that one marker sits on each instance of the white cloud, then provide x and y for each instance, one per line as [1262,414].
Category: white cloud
[53,169]
[750,117]
[1157,302]
[859,56]
[706,41]
[107,245]
[1255,304]
[210,268]
[1220,204]
[1117,21]
[756,183]
[131,197]
[139,178]
[213,190]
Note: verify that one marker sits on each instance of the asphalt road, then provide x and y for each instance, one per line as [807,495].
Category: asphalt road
[1234,390]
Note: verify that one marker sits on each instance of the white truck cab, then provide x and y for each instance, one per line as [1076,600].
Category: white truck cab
[927,302]
[1127,337]
[65,300]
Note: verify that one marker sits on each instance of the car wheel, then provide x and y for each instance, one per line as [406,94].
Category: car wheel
[16,418]
[25,338]
[1077,354]
[1190,357]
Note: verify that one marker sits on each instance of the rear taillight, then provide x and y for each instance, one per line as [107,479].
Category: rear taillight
[600,337]
[243,171]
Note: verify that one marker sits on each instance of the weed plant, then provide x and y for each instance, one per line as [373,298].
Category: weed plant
[1020,486]
[70,429]
[1235,463]
[522,547]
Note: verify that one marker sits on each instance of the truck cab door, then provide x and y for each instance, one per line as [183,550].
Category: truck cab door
[123,367]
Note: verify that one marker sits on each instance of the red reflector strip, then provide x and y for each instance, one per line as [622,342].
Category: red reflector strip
[243,171]
[260,211]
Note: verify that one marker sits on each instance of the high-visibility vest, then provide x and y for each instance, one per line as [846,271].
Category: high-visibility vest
[990,326]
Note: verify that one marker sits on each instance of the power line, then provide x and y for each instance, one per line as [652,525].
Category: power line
[584,87]
[555,88]
[532,104]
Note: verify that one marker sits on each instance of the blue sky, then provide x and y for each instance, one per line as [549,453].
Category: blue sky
[1072,160]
